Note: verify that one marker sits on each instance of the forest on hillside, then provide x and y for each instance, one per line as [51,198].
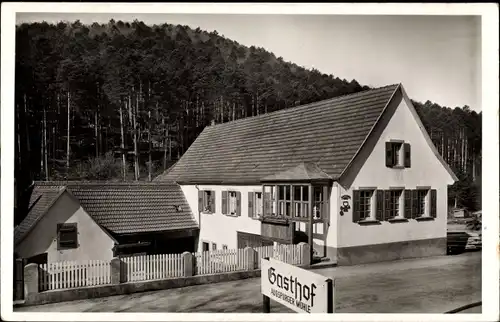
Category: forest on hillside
[123,101]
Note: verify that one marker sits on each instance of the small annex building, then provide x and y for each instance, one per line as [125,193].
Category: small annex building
[356,176]
[70,221]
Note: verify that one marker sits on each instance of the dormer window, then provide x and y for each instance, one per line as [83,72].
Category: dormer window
[397,154]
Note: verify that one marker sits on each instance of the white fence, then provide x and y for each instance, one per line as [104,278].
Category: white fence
[220,261]
[290,254]
[71,274]
[152,267]
[53,276]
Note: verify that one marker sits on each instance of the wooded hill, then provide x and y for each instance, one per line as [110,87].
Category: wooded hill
[85,93]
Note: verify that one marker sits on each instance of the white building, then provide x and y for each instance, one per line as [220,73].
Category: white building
[355,176]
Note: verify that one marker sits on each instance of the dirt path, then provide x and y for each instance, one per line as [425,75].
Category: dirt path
[430,285]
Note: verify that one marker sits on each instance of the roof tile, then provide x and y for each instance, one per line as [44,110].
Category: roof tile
[327,133]
[118,207]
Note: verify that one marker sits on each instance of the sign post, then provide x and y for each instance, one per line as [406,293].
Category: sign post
[299,289]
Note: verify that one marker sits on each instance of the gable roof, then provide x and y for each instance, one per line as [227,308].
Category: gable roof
[328,133]
[119,208]
[41,199]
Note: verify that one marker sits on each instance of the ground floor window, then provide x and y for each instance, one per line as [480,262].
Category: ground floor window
[67,236]
[365,204]
[421,203]
[394,203]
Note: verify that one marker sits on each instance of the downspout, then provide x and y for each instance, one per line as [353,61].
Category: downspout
[199,213]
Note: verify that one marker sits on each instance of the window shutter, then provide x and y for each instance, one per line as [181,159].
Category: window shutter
[201,193]
[387,206]
[250,204]
[388,154]
[407,151]
[212,202]
[238,203]
[380,205]
[408,204]
[59,235]
[267,203]
[355,208]
[414,209]
[433,203]
[224,202]
[74,236]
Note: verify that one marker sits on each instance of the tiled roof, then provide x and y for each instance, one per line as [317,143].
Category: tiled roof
[120,208]
[41,199]
[304,171]
[328,133]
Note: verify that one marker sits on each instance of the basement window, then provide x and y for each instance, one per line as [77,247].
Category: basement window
[67,236]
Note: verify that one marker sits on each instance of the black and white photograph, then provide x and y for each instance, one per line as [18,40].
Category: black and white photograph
[238,158]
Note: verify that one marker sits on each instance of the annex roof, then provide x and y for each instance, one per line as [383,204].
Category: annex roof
[120,208]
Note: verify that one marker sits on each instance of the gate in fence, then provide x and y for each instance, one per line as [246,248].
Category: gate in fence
[19,264]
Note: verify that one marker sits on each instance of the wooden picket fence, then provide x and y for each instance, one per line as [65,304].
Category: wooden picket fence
[219,261]
[290,254]
[152,267]
[71,274]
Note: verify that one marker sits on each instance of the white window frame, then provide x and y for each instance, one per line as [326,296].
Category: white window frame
[206,198]
[258,209]
[427,203]
[230,210]
[373,204]
[398,153]
[400,203]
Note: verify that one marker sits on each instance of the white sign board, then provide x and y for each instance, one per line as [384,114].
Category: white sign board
[296,288]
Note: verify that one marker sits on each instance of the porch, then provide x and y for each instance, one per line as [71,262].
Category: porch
[296,208]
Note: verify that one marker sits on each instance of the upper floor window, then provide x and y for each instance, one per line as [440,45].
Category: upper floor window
[269,201]
[67,236]
[301,201]
[255,204]
[285,201]
[398,154]
[231,201]
[206,201]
